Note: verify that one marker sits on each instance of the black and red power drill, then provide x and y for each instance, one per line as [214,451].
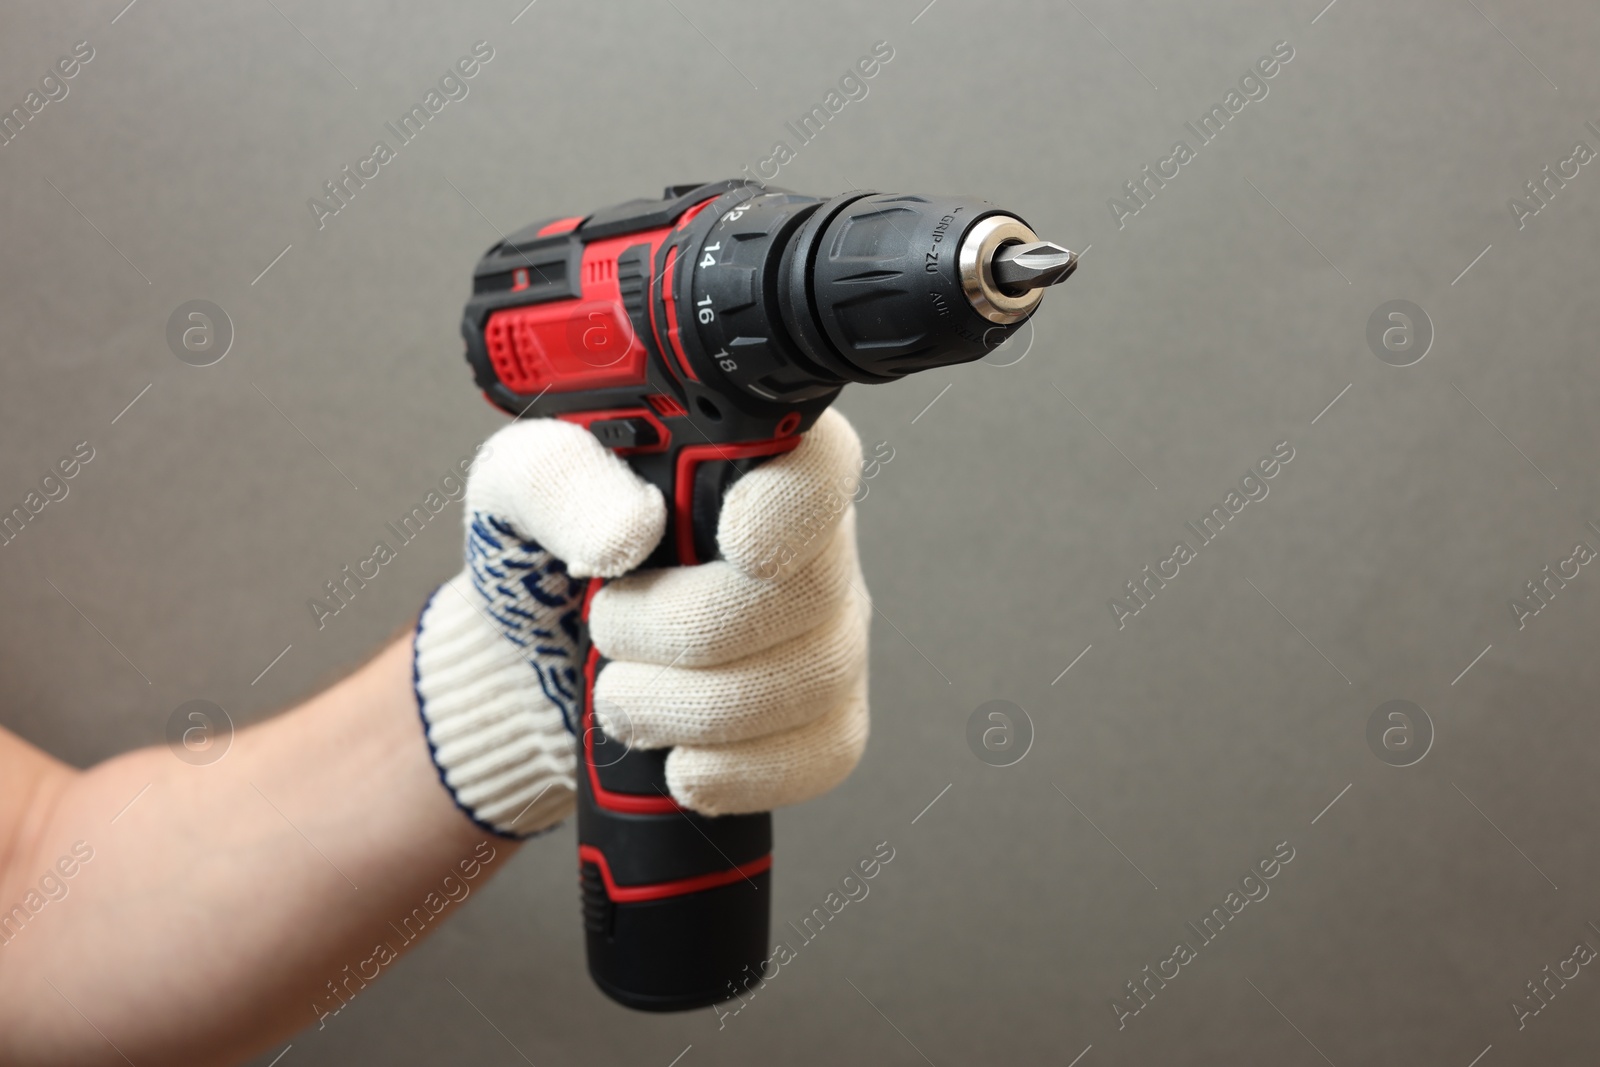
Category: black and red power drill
[698,335]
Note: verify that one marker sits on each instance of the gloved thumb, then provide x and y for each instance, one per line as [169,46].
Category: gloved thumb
[556,485]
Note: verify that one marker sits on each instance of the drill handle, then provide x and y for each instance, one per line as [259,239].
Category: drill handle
[675,904]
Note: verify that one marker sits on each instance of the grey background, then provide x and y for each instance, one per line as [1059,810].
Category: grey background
[1195,338]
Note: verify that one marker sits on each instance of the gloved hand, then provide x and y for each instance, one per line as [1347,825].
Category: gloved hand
[753,667]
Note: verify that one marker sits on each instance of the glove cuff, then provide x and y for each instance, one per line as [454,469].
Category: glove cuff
[501,747]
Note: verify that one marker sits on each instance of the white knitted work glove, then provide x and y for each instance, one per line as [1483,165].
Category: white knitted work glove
[753,666]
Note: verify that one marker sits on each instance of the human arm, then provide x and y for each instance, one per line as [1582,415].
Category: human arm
[221,902]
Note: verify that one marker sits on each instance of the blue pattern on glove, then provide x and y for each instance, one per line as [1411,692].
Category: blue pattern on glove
[529,595]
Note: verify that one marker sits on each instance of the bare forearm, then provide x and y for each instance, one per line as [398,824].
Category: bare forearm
[248,886]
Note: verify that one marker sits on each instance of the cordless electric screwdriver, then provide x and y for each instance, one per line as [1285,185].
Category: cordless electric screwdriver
[698,335]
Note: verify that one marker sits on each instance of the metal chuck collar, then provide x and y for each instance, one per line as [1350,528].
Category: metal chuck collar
[1005,268]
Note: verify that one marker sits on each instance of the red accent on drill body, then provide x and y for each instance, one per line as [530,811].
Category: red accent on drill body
[627,894]
[571,345]
[690,457]
[667,298]
[566,225]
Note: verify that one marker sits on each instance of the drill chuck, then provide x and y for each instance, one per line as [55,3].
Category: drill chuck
[865,287]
